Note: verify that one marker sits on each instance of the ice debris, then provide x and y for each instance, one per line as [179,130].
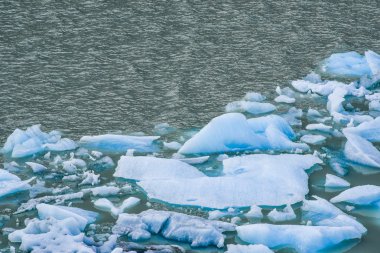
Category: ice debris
[197,231]
[23,143]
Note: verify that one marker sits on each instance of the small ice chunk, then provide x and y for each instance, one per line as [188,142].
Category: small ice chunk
[254,108]
[359,195]
[163,129]
[172,145]
[143,167]
[72,164]
[304,239]
[105,191]
[293,116]
[195,160]
[106,205]
[36,167]
[257,248]
[254,97]
[313,77]
[373,60]
[287,214]
[112,143]
[82,217]
[374,105]
[284,99]
[89,177]
[254,212]
[96,154]
[319,127]
[335,182]
[313,139]
[312,113]
[104,163]
[11,184]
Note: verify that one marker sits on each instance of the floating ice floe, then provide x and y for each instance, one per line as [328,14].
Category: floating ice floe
[254,212]
[233,132]
[254,108]
[82,217]
[104,191]
[284,99]
[33,141]
[112,143]
[58,229]
[359,195]
[172,145]
[352,64]
[36,167]
[269,180]
[254,97]
[133,247]
[258,248]
[144,168]
[314,139]
[11,184]
[368,130]
[304,239]
[320,212]
[107,206]
[361,151]
[287,214]
[175,226]
[89,177]
[335,182]
[51,235]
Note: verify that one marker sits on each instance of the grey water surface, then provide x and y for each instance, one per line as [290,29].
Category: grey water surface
[93,67]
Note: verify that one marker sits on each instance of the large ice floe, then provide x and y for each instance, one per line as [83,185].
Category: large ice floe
[234,169]
[114,143]
[268,180]
[33,141]
[233,132]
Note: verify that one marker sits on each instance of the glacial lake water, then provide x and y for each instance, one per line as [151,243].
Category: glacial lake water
[96,67]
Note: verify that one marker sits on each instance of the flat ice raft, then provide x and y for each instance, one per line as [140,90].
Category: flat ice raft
[114,143]
[304,239]
[267,180]
[233,132]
